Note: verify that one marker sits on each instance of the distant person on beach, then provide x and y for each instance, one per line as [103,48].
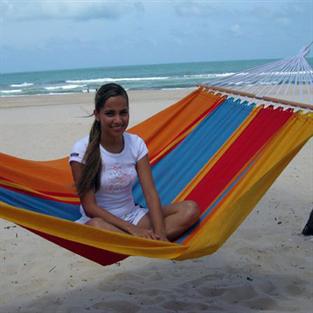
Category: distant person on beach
[105,166]
[308,228]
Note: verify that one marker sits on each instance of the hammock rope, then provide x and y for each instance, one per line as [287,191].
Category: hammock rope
[291,78]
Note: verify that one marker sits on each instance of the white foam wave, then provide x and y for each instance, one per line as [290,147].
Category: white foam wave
[11,91]
[53,88]
[25,84]
[153,78]
[89,81]
[142,78]
[89,90]
[206,76]
[64,87]
[110,79]
[59,93]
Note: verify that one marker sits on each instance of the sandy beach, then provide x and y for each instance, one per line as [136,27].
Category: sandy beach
[266,266]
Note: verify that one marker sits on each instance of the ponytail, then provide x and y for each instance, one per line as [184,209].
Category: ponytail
[91,174]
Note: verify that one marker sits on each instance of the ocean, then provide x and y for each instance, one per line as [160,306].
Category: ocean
[158,76]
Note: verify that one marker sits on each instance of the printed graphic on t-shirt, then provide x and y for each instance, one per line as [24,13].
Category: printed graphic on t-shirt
[118,177]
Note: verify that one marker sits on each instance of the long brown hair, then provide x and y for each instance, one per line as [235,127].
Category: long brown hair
[91,174]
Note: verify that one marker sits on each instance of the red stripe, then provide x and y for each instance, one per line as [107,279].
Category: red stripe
[97,255]
[265,124]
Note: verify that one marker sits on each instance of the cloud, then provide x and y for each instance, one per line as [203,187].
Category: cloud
[283,21]
[67,9]
[280,11]
[139,7]
[196,8]
[236,30]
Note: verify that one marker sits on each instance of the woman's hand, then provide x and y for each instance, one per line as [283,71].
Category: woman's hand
[162,237]
[144,233]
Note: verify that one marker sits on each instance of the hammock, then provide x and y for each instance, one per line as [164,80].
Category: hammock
[221,151]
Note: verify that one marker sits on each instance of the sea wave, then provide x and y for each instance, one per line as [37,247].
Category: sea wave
[206,76]
[110,79]
[59,93]
[64,87]
[152,78]
[11,91]
[25,84]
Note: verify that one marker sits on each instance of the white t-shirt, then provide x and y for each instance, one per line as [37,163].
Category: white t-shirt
[118,173]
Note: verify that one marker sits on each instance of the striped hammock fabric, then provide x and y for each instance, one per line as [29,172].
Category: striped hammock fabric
[222,152]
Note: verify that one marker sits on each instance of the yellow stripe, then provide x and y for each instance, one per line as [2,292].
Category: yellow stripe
[91,236]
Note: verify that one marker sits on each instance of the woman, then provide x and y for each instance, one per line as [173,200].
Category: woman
[105,166]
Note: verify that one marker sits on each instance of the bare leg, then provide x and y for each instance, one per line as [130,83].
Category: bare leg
[178,217]
[100,223]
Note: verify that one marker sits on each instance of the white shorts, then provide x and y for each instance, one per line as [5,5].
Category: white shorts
[133,217]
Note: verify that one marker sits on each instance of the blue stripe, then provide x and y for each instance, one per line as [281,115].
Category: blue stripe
[39,205]
[173,172]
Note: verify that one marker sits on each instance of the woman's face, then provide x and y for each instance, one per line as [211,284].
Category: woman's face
[113,116]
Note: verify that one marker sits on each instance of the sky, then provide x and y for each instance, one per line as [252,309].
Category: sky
[61,34]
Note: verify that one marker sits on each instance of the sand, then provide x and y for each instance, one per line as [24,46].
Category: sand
[266,266]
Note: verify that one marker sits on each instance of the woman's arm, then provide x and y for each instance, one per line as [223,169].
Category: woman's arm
[88,201]
[151,196]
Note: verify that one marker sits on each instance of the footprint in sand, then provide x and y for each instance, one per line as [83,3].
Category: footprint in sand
[212,291]
[268,288]
[117,306]
[239,293]
[178,306]
[152,292]
[263,304]
[297,288]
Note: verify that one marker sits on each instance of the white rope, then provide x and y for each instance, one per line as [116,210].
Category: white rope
[286,82]
[309,81]
[290,78]
[254,73]
[290,82]
[248,75]
[258,102]
[286,68]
